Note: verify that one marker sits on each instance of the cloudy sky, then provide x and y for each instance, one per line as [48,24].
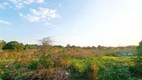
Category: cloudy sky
[75,22]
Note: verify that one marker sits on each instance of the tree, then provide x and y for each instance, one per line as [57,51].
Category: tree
[68,46]
[100,47]
[46,45]
[137,68]
[13,46]
[30,46]
[139,49]
[2,43]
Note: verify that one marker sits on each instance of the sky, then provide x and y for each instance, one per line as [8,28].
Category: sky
[74,22]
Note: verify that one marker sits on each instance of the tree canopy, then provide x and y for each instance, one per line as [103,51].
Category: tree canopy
[139,49]
[2,43]
[14,46]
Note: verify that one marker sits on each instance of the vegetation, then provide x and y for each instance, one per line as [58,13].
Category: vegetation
[2,43]
[137,68]
[13,46]
[139,49]
[48,62]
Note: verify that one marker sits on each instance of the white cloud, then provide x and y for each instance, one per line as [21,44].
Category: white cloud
[41,14]
[60,5]
[21,3]
[4,4]
[47,23]
[5,22]
[20,14]
[39,1]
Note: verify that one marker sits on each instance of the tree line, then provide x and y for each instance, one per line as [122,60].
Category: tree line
[16,46]
[47,43]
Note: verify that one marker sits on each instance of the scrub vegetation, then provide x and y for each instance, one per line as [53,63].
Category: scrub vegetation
[52,62]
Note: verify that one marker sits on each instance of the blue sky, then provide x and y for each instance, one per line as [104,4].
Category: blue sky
[75,22]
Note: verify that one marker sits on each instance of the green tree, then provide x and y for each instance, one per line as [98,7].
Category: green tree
[100,47]
[139,49]
[13,46]
[68,46]
[137,68]
[30,46]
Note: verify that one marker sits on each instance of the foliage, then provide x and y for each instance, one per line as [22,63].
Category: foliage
[136,69]
[46,61]
[48,74]
[83,68]
[2,43]
[139,49]
[115,71]
[76,68]
[13,46]
[5,76]
[68,63]
[32,65]
[18,65]
[46,46]
[29,46]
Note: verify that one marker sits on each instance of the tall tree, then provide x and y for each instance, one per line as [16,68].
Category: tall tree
[139,49]
[46,45]
[2,43]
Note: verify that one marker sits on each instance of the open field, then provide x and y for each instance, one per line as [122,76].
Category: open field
[48,62]
[70,39]
[24,66]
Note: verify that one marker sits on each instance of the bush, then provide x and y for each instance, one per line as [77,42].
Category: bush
[5,76]
[113,72]
[33,65]
[17,65]
[48,74]
[136,69]
[139,49]
[80,69]
[46,61]
[13,46]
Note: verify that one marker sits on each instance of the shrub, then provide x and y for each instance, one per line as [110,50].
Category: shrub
[48,74]
[33,65]
[136,69]
[18,65]
[46,61]
[139,49]
[5,76]
[13,46]
[116,71]
[79,69]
